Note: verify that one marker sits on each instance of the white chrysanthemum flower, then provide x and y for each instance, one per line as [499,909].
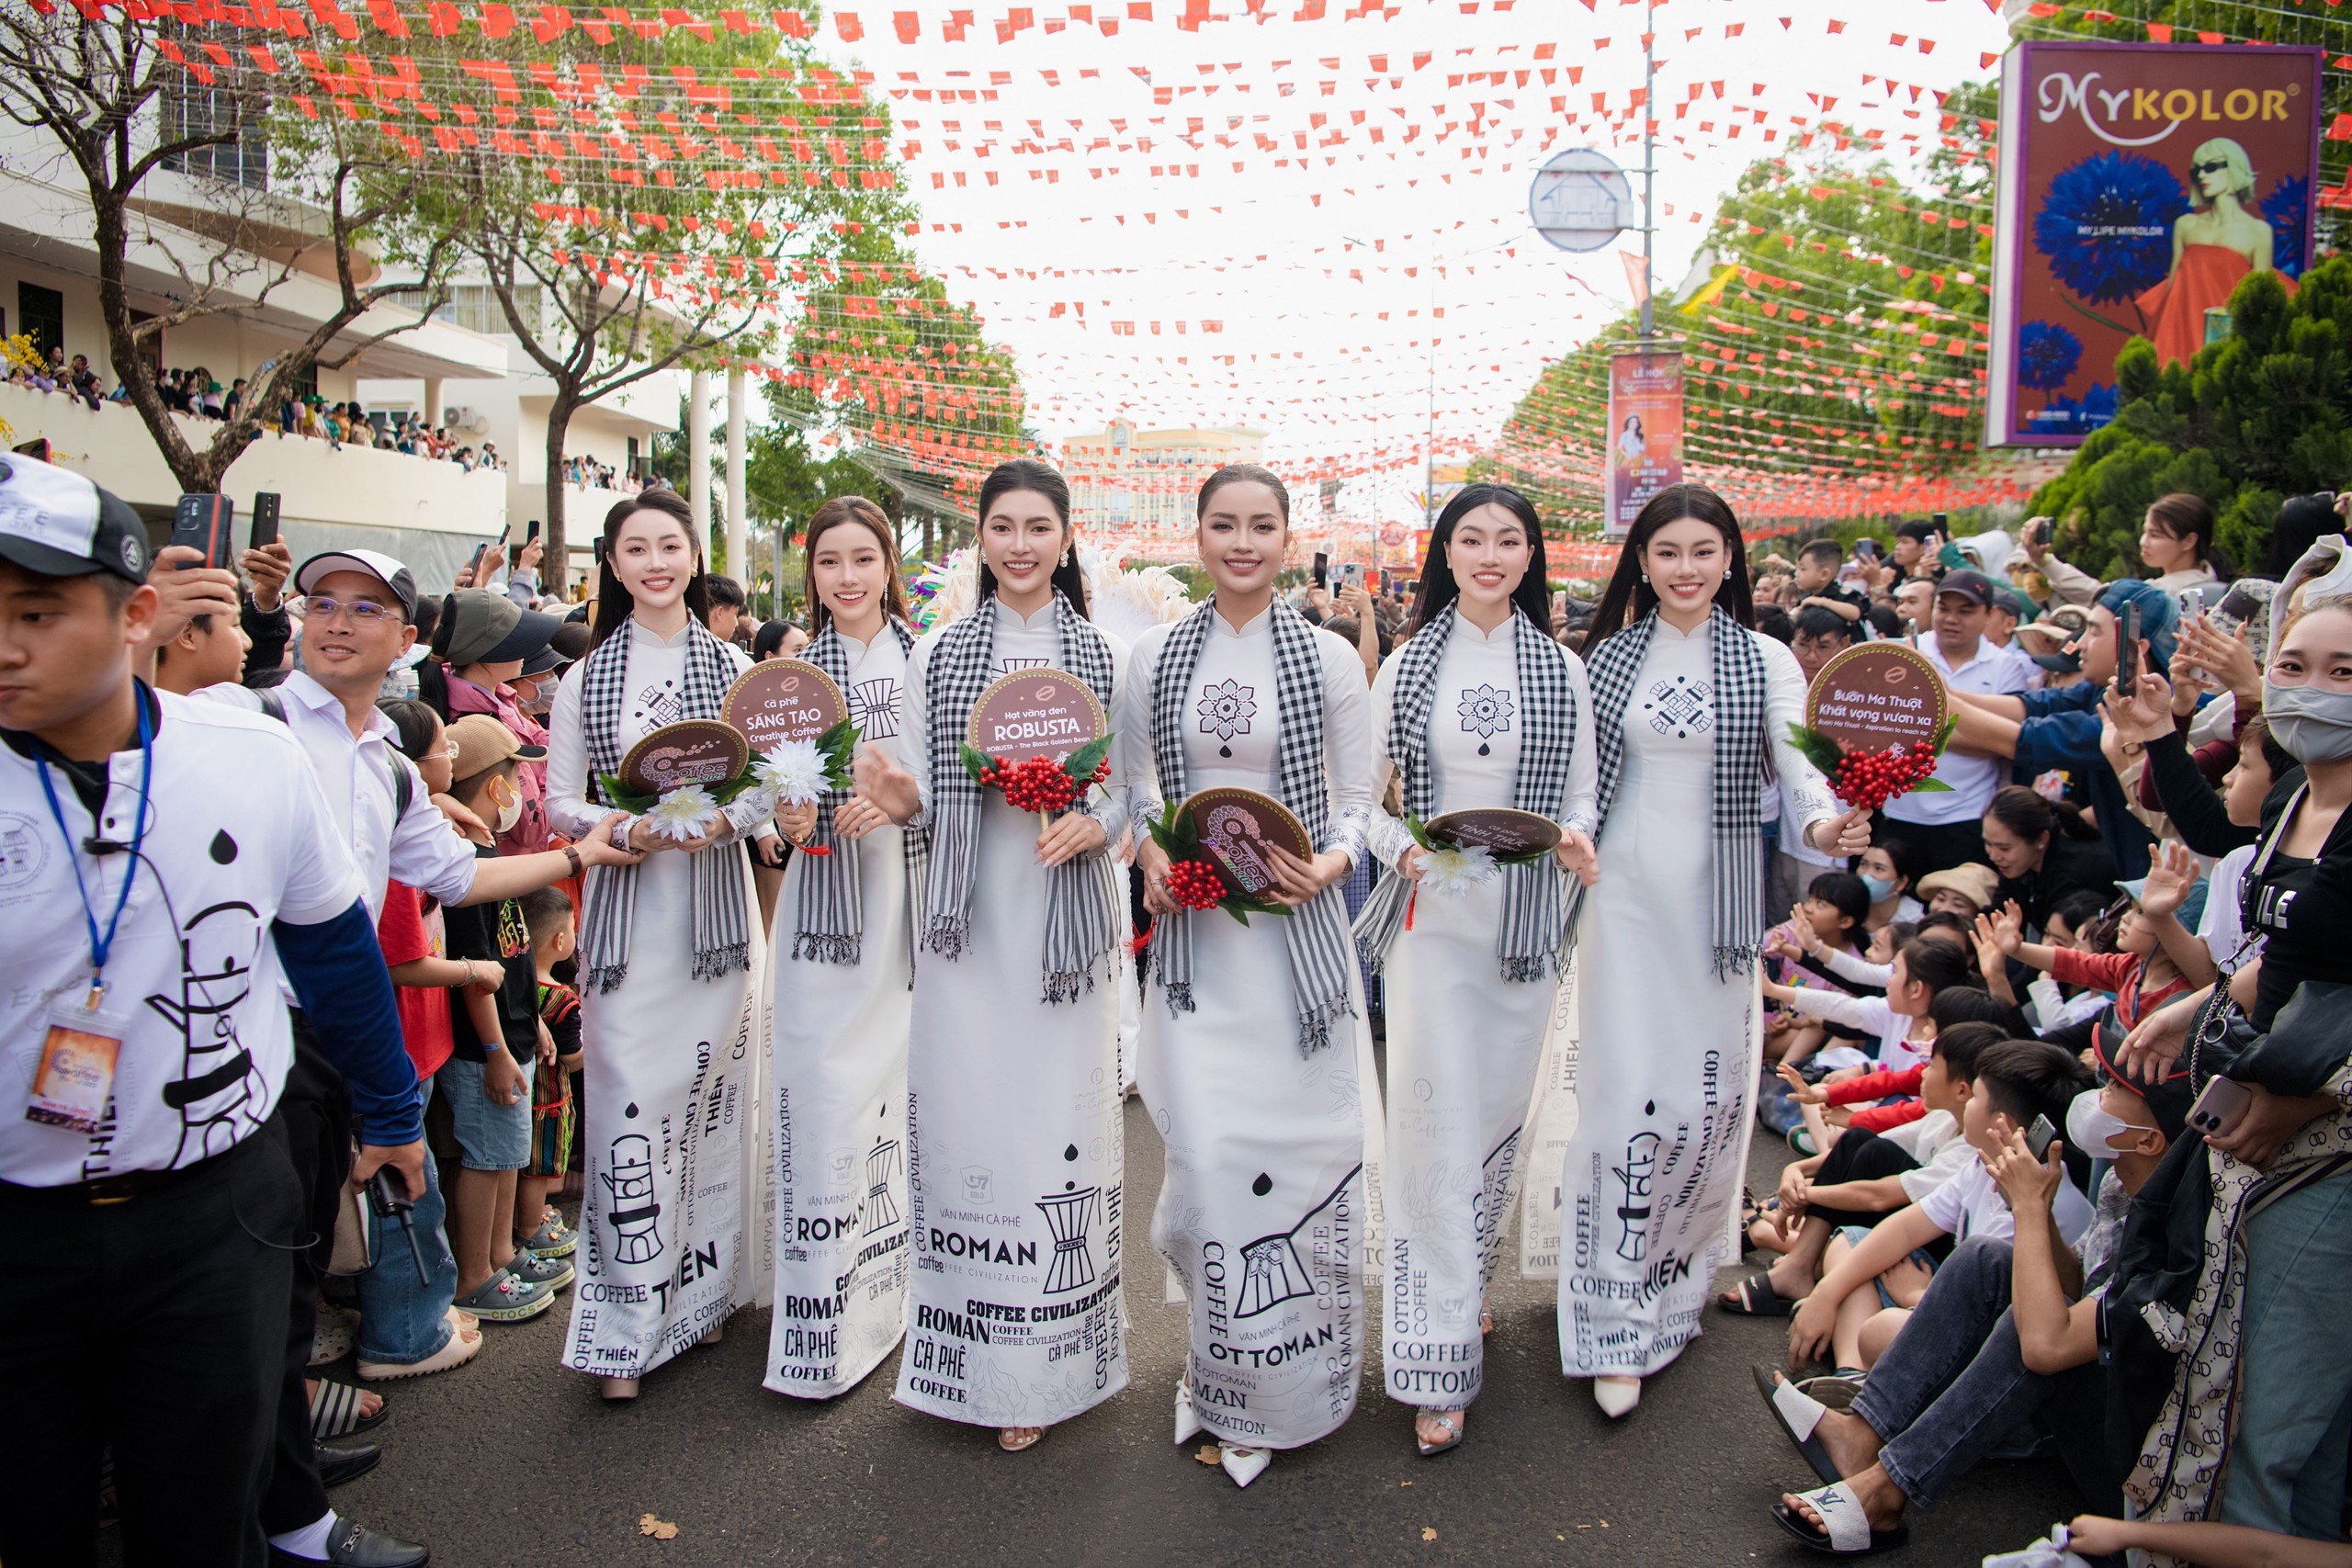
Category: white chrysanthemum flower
[684,814]
[793,772]
[1451,872]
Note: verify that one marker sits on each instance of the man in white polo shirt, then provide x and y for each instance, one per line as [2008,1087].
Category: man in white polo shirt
[1945,828]
[165,864]
[358,618]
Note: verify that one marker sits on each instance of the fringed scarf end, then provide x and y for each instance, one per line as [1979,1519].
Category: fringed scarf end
[825,949]
[1067,985]
[1180,997]
[1733,961]
[607,977]
[722,961]
[1527,971]
[949,937]
[1314,1025]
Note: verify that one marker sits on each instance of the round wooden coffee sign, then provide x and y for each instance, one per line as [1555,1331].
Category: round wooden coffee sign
[691,752]
[1236,828]
[1501,830]
[1035,713]
[783,700]
[1875,695]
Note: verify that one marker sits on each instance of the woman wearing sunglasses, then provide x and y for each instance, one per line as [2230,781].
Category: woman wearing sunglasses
[2217,242]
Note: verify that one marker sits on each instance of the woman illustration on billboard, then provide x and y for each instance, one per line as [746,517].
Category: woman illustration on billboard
[2214,244]
[1632,441]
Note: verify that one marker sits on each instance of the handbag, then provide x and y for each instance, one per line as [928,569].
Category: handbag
[354,1251]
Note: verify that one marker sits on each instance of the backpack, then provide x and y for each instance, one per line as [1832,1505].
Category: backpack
[273,703]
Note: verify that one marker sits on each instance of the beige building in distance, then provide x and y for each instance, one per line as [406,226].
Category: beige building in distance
[1142,482]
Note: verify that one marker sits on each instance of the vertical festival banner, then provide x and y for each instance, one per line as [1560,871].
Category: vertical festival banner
[1643,453]
[2139,183]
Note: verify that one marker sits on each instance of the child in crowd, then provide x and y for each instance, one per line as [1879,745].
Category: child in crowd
[1868,1285]
[1829,921]
[550,919]
[1856,1102]
[2155,959]
[1897,1021]
[1965,890]
[1864,1177]
[498,1044]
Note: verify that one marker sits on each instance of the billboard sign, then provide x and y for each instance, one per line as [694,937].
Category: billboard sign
[1643,453]
[2139,183]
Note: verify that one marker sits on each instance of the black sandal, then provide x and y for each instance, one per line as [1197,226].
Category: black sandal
[1755,1297]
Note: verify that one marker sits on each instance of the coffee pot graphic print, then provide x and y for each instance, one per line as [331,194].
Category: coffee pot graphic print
[1634,1175]
[628,1179]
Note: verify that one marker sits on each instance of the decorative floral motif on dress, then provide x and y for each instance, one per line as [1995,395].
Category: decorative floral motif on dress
[1226,708]
[1681,707]
[1007,666]
[1486,709]
[874,708]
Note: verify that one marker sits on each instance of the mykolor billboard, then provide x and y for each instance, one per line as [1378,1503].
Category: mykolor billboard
[2139,183]
[1644,452]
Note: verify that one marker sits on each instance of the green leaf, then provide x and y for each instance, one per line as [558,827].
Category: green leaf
[1080,764]
[1421,833]
[618,794]
[1818,749]
[1929,786]
[976,761]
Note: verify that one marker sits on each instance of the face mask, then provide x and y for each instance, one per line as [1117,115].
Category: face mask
[2091,1127]
[511,811]
[1882,888]
[2314,725]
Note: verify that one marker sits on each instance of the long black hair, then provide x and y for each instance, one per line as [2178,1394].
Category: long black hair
[1629,597]
[841,512]
[1439,587]
[1027,473]
[613,605]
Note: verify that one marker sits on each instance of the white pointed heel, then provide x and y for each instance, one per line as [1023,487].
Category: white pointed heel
[1616,1396]
[1245,1465]
[1188,1420]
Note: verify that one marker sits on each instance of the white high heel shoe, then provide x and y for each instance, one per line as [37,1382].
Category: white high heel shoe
[1616,1396]
[1245,1465]
[1188,1420]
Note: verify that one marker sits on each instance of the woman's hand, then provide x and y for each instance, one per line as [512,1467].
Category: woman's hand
[1301,880]
[1412,862]
[1847,833]
[1069,836]
[856,817]
[2267,1121]
[2224,656]
[462,816]
[1152,865]
[797,823]
[645,841]
[484,976]
[2003,930]
[1578,856]
[596,846]
[2093,1535]
[1810,1328]
[877,779]
[2157,1040]
[2145,712]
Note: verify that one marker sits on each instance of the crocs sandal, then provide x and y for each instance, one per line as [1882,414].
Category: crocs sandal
[1797,1413]
[1848,1533]
[336,1335]
[334,1412]
[1755,1297]
[552,1239]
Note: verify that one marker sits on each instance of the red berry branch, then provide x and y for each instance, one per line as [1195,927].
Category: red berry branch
[1195,885]
[1870,779]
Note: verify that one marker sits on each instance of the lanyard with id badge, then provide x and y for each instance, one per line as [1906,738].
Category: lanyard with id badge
[75,1079]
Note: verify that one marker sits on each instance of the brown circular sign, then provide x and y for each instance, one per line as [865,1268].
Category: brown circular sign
[691,752]
[1875,695]
[783,700]
[1035,713]
[1236,827]
[1501,830]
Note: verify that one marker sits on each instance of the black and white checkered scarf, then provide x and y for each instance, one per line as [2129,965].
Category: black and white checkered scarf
[722,929]
[1741,686]
[1317,933]
[1081,902]
[832,916]
[1535,922]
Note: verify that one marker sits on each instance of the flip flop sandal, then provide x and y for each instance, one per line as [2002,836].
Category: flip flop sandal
[1017,1439]
[1848,1533]
[1755,1297]
[334,1412]
[1450,1421]
[1485,1318]
[1837,1390]
[1797,1413]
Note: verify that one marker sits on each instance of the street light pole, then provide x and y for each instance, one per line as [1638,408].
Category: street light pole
[1649,163]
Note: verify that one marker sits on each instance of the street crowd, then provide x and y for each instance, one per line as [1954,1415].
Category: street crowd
[345,958]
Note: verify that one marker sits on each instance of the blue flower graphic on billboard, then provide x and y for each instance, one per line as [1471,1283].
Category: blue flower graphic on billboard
[2047,355]
[2075,416]
[2106,225]
[2288,211]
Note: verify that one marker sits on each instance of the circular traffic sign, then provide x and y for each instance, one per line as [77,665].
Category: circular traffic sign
[1579,200]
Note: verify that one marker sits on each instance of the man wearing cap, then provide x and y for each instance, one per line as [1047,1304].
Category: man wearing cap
[357,624]
[1944,826]
[488,640]
[165,865]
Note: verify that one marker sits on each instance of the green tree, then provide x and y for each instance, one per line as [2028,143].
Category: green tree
[2263,414]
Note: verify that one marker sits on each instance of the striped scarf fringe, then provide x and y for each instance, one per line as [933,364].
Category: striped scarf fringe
[831,915]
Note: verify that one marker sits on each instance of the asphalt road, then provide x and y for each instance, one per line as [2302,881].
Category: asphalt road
[511,1460]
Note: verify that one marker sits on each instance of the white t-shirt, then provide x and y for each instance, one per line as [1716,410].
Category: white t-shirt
[1896,1053]
[1972,780]
[238,836]
[2221,928]
[1971,1205]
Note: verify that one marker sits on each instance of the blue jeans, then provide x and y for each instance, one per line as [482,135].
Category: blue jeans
[1953,1387]
[2287,1458]
[400,1319]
